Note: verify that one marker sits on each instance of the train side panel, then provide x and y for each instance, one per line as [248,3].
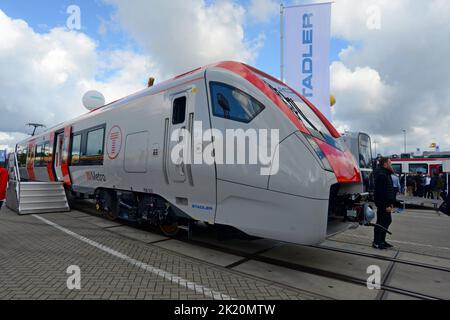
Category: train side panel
[137,152]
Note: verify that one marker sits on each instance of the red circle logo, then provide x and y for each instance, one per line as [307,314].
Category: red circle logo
[114,145]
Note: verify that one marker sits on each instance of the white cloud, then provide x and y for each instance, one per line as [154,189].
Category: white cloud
[43,76]
[9,140]
[183,34]
[396,77]
[262,11]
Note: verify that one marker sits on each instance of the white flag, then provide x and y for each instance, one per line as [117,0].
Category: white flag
[307,43]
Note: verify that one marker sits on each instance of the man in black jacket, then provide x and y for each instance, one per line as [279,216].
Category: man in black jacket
[384,200]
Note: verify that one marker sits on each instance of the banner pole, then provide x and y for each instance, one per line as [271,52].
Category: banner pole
[282,42]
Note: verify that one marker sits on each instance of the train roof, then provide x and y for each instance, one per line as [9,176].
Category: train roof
[247,72]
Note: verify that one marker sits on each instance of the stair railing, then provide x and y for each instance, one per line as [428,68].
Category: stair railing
[17,176]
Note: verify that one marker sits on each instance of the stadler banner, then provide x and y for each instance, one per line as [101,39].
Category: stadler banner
[307,43]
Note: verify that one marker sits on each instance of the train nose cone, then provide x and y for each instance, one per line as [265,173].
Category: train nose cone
[300,172]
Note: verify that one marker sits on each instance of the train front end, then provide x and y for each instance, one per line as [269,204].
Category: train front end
[333,175]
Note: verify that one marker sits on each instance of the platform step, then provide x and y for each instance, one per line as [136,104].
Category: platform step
[42,197]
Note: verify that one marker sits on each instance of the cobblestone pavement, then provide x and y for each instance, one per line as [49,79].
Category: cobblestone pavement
[34,258]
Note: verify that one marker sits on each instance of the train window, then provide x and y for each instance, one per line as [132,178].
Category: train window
[179,110]
[365,152]
[42,155]
[45,158]
[94,148]
[37,158]
[311,116]
[397,168]
[234,104]
[76,150]
[22,156]
[418,168]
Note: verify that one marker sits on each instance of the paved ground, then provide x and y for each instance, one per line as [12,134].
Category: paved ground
[122,262]
[34,257]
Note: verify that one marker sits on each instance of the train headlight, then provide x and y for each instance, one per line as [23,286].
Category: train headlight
[323,158]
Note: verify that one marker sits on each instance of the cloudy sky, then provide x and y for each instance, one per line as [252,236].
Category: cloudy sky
[387,79]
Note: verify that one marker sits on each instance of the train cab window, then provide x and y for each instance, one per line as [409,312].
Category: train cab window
[179,110]
[365,152]
[76,150]
[234,104]
[94,147]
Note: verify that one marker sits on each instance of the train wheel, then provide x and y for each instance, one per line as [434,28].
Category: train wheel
[110,215]
[170,230]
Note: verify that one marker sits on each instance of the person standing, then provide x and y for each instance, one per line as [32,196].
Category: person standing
[3,184]
[384,200]
[440,186]
[396,185]
[427,189]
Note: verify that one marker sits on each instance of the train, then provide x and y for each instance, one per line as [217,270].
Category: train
[426,166]
[121,155]
[360,144]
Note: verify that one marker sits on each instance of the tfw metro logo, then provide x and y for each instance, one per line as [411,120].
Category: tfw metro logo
[94,176]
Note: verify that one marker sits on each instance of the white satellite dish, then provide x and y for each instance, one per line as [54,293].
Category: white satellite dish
[93,100]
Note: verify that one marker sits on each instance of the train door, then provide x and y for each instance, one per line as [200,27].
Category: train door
[235,113]
[61,158]
[192,182]
[58,157]
[30,161]
[177,167]
[435,169]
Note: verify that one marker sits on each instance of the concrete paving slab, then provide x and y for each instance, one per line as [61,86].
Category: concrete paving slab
[245,246]
[204,254]
[77,214]
[100,222]
[397,297]
[136,234]
[432,261]
[330,288]
[422,280]
[358,248]
[342,263]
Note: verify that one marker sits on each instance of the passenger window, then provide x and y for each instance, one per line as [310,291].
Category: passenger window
[38,156]
[22,157]
[179,110]
[234,104]
[46,153]
[95,140]
[76,150]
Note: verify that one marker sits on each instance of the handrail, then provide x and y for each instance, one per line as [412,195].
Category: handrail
[18,179]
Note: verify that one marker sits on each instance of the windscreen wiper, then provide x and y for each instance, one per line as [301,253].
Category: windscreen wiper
[295,109]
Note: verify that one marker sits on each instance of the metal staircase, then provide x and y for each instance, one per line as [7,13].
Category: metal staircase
[33,197]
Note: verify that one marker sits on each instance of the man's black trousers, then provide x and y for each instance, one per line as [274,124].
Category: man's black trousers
[384,219]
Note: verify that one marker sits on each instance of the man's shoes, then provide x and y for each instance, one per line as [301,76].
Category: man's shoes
[388,245]
[378,246]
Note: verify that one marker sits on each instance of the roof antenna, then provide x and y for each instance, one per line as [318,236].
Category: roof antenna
[151,82]
[35,126]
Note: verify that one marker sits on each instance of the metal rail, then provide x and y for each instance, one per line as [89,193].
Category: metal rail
[384,258]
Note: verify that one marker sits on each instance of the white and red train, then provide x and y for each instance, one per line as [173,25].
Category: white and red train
[426,166]
[119,154]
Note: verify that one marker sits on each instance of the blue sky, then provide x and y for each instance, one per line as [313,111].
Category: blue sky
[44,15]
